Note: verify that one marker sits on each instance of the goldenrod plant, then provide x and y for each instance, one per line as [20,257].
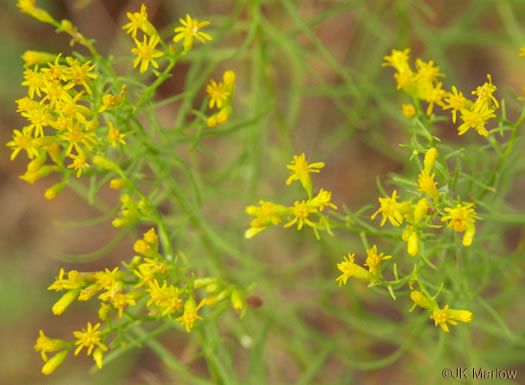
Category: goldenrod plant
[286,192]
[81,122]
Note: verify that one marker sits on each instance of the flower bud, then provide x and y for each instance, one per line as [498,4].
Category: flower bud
[413,244]
[430,159]
[229,78]
[105,163]
[37,57]
[54,362]
[420,299]
[117,184]
[63,303]
[421,210]
[199,283]
[52,192]
[212,121]
[97,356]
[469,235]
[237,300]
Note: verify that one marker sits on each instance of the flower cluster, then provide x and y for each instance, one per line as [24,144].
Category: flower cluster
[424,85]
[146,50]
[77,114]
[301,212]
[419,212]
[221,95]
[151,280]
[61,124]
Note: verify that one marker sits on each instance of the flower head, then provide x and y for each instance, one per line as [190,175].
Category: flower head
[301,171]
[114,135]
[427,185]
[350,269]
[190,313]
[146,53]
[455,101]
[22,141]
[45,345]
[460,217]
[476,118]
[218,94]
[138,20]
[79,162]
[442,316]
[373,260]
[391,210]
[398,60]
[301,210]
[485,94]
[322,199]
[408,110]
[89,339]
[191,29]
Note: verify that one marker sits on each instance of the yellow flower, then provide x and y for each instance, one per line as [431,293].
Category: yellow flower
[427,185]
[79,162]
[107,278]
[80,74]
[433,94]
[442,316]
[426,72]
[114,135]
[461,217]
[39,117]
[391,210]
[373,260]
[301,210]
[138,20]
[76,136]
[22,141]
[121,300]
[218,94]
[190,313]
[522,51]
[89,339]
[456,101]
[322,199]
[405,80]
[190,30]
[350,269]
[484,94]
[146,53]
[301,171]
[476,119]
[34,80]
[74,281]
[408,110]
[45,345]
[398,60]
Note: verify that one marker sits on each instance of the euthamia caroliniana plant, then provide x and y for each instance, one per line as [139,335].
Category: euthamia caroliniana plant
[434,213]
[81,114]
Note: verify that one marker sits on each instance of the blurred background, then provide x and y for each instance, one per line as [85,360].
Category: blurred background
[309,79]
